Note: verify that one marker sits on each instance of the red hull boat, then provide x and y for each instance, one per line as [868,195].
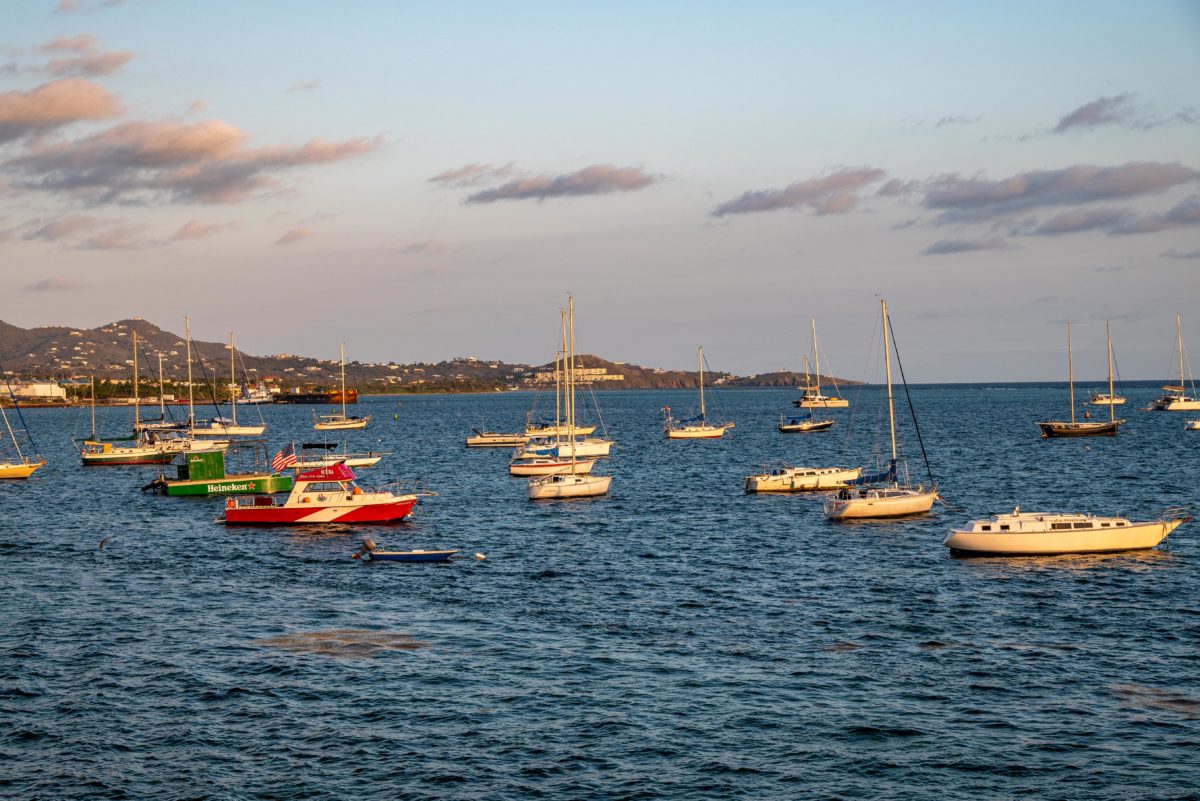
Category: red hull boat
[326,495]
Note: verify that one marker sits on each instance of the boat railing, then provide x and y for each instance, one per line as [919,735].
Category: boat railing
[1174,513]
[410,487]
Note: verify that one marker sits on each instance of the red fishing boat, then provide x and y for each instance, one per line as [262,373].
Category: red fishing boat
[325,495]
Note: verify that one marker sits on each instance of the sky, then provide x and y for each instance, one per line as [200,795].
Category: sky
[428,180]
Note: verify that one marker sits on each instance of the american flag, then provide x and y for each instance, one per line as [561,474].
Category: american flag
[285,458]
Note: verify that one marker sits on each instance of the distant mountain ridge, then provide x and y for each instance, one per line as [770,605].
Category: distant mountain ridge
[62,352]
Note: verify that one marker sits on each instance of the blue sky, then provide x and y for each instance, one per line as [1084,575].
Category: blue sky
[430,180]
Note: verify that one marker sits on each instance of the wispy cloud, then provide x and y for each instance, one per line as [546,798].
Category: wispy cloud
[297,234]
[75,6]
[81,56]
[1120,221]
[959,120]
[1121,111]
[836,193]
[472,175]
[426,248]
[976,199]
[597,179]
[119,236]
[53,105]
[51,285]
[194,229]
[945,247]
[171,162]
[1179,254]
[61,227]
[303,86]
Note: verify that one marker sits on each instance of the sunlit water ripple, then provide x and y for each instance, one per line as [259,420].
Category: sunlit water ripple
[677,639]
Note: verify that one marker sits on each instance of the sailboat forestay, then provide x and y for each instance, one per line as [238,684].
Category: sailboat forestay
[222,427]
[1052,429]
[1176,398]
[22,466]
[696,427]
[883,496]
[341,422]
[812,397]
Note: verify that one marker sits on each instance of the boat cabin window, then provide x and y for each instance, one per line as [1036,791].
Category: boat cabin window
[1004,527]
[1104,525]
[986,528]
[325,486]
[1084,525]
[1120,524]
[1059,526]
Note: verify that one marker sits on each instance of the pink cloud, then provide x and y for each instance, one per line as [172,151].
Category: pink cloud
[597,179]
[472,175]
[836,193]
[51,285]
[62,227]
[53,105]
[294,235]
[194,229]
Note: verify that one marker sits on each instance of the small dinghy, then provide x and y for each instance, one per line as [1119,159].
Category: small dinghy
[372,551]
[803,425]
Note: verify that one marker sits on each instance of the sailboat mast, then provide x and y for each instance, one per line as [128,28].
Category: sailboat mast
[162,401]
[136,415]
[571,377]
[1070,373]
[1179,333]
[560,380]
[703,416]
[343,352]
[887,360]
[93,407]
[1112,416]
[232,382]
[187,327]
[816,354]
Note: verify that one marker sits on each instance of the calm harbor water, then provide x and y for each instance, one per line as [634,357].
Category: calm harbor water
[676,639]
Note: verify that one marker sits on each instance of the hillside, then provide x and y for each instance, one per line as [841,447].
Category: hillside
[61,353]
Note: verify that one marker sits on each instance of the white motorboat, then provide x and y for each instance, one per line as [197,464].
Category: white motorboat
[1176,398]
[1039,533]
[802,479]
[568,486]
[887,497]
[1192,425]
[803,425]
[550,465]
[566,448]
[341,422]
[315,455]
[492,439]
[1105,399]
[697,427]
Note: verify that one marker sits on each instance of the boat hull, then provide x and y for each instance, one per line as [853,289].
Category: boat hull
[306,514]
[1135,537]
[250,484]
[876,504]
[550,468]
[1103,401]
[560,431]
[16,470]
[568,486]
[805,428]
[126,456]
[1054,429]
[1192,425]
[497,441]
[803,479]
[825,403]
[410,556]
[698,432]
[229,431]
[351,424]
[1177,405]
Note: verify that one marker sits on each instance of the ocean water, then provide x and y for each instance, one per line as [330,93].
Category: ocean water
[677,639]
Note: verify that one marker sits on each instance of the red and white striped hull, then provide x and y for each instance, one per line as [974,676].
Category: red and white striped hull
[299,514]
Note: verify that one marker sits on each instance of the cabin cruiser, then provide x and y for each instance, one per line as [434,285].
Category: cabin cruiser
[1040,533]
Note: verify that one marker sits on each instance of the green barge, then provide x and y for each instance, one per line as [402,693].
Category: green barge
[203,473]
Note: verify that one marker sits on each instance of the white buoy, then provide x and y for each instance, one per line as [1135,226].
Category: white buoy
[480,556]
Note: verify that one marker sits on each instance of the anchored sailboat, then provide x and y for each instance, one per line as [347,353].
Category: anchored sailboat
[569,484]
[1094,428]
[222,427]
[340,422]
[812,397]
[1176,399]
[22,466]
[888,497]
[696,427]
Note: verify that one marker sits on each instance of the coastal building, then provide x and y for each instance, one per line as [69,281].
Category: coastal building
[39,390]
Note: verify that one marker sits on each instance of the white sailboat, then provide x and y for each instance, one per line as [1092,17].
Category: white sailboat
[812,397]
[1088,428]
[1176,399]
[228,427]
[696,427]
[341,422]
[569,484]
[888,498]
[1042,534]
[551,463]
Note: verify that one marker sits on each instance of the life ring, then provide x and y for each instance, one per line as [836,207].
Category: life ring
[230,503]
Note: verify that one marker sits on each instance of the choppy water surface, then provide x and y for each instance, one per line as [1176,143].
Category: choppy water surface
[677,639]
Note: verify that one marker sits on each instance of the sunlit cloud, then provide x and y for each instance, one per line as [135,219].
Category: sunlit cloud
[472,175]
[297,234]
[194,229]
[120,236]
[82,57]
[958,120]
[74,6]
[597,179]
[947,246]
[53,105]
[62,227]
[170,162]
[836,193]
[976,199]
[51,285]
[426,248]
[1121,222]
[1179,254]
[1121,111]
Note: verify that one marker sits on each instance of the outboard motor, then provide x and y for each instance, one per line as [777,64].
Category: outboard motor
[368,546]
